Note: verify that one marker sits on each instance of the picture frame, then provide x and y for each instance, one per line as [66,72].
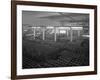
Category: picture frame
[20,9]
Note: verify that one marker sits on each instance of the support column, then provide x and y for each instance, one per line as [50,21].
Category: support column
[71,34]
[34,32]
[55,35]
[78,33]
[67,32]
[43,36]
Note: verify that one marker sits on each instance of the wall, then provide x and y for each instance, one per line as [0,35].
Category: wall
[5,38]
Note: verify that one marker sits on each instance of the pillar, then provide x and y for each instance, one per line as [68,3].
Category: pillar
[43,33]
[34,32]
[67,32]
[55,35]
[71,34]
[78,33]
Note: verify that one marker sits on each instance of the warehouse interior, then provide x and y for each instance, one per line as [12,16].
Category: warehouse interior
[54,39]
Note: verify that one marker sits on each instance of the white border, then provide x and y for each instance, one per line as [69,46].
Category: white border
[21,71]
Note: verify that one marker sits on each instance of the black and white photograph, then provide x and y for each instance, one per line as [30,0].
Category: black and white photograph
[54,39]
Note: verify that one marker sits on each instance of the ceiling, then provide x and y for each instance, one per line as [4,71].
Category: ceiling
[53,18]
